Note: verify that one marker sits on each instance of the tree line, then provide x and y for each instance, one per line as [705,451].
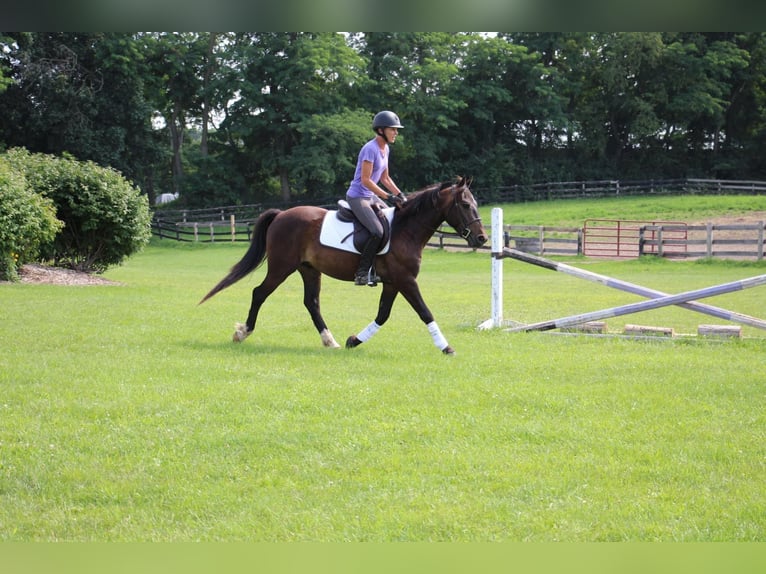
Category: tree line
[239,118]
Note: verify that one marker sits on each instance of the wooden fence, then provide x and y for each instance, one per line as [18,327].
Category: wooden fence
[610,188]
[675,240]
[207,231]
[726,241]
[544,240]
[743,241]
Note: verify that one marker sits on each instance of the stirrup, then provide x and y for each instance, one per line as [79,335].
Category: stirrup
[369,278]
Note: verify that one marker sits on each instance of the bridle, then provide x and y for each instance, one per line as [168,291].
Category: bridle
[464,228]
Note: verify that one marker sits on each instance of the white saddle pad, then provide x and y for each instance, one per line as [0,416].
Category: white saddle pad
[340,234]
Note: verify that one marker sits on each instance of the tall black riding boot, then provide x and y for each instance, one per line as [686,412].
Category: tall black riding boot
[365,274]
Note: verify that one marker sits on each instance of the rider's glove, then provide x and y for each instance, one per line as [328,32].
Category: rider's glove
[398,200]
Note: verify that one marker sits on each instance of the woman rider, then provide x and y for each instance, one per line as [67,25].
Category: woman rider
[365,191]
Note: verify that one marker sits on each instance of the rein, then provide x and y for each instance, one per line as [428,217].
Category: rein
[465,223]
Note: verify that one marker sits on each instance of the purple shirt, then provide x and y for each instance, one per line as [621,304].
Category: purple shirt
[369,152]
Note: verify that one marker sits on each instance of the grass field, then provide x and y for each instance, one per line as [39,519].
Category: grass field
[126,413]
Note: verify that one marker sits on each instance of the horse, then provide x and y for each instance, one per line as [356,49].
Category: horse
[289,240]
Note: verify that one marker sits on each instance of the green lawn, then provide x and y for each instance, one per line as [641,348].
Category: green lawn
[127,414]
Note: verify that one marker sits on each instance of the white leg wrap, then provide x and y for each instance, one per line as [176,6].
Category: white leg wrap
[436,335]
[368,332]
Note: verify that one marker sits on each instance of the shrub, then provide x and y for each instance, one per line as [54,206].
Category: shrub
[27,221]
[106,218]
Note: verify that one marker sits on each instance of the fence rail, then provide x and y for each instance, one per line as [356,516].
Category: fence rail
[204,232]
[672,240]
[606,188]
[740,240]
[544,240]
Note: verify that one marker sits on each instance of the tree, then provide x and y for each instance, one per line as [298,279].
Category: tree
[287,81]
[81,93]
[512,109]
[745,123]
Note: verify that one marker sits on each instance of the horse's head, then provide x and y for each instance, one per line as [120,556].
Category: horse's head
[463,213]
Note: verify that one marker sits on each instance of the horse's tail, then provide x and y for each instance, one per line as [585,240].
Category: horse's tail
[252,259]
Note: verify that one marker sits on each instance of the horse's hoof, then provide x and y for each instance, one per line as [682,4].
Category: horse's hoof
[240,333]
[448,350]
[352,342]
[328,340]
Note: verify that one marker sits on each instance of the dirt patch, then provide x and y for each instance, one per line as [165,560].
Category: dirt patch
[34,273]
[748,237]
[752,217]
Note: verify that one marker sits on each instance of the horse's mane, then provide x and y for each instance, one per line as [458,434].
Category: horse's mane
[417,199]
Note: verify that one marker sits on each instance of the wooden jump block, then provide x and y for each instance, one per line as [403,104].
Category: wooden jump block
[644,331]
[719,331]
[589,327]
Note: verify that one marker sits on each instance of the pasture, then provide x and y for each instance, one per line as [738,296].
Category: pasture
[127,414]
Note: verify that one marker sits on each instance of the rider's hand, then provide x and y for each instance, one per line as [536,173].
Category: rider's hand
[398,200]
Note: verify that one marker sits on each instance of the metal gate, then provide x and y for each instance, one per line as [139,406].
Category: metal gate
[620,237]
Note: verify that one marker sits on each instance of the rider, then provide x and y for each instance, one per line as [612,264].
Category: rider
[364,191]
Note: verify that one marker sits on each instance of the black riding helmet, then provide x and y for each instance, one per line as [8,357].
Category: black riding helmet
[385,119]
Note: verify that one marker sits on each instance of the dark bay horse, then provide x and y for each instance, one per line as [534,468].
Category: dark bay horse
[290,241]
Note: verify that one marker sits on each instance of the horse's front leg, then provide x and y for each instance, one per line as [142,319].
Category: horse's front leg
[386,302]
[411,293]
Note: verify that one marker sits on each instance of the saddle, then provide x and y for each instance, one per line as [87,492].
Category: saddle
[342,230]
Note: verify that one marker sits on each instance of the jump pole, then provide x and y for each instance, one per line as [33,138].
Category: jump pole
[644,305]
[499,252]
[632,288]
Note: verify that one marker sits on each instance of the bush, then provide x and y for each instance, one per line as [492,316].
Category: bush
[106,218]
[27,222]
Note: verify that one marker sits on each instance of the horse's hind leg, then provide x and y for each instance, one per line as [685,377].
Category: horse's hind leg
[312,284]
[273,280]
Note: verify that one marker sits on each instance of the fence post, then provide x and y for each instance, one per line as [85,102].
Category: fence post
[760,241]
[233,228]
[659,241]
[196,232]
[709,238]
